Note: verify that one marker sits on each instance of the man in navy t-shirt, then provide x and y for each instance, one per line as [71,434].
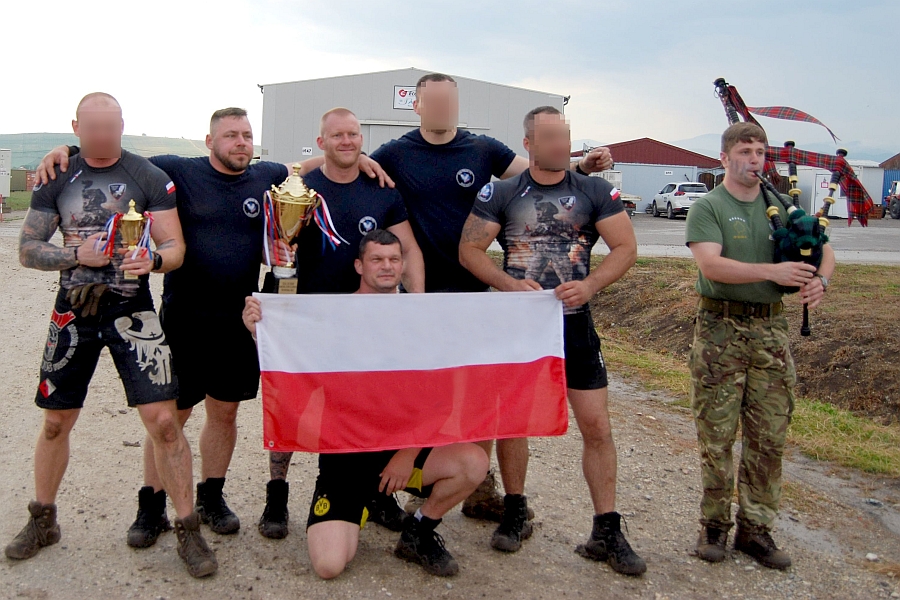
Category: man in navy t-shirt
[357,206]
[547,221]
[439,169]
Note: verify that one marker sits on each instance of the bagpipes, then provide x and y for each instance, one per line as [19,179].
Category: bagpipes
[800,239]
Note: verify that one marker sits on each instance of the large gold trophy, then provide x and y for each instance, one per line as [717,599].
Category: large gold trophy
[131,228]
[290,206]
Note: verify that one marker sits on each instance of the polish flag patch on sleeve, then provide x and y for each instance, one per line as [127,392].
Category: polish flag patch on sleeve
[614,193]
[170,188]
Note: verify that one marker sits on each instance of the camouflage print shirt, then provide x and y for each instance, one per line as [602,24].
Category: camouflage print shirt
[745,234]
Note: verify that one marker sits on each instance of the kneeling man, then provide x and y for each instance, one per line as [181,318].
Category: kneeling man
[445,476]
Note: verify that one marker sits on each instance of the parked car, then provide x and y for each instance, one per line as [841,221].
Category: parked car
[676,198]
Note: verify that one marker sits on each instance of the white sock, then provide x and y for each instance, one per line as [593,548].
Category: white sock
[418,514]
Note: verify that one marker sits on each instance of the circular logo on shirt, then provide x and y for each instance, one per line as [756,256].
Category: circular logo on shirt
[367,224]
[251,207]
[465,177]
[321,507]
[486,192]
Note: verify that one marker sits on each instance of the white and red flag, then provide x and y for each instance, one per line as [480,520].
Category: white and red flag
[365,372]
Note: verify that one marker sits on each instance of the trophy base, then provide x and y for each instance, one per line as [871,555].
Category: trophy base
[131,277]
[283,280]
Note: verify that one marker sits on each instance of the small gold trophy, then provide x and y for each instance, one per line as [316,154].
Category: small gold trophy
[293,205]
[131,227]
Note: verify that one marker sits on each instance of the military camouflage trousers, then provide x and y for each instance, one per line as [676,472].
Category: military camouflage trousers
[741,372]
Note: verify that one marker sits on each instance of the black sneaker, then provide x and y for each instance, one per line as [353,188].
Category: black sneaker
[759,545]
[273,523]
[420,543]
[212,508]
[711,544]
[151,520]
[514,528]
[608,544]
[385,510]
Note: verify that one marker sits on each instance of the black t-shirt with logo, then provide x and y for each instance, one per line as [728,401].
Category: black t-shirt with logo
[222,220]
[86,197]
[547,232]
[438,184]
[356,208]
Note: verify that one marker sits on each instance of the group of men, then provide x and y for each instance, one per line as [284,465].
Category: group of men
[418,215]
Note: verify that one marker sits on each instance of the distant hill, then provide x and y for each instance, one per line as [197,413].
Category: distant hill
[29,148]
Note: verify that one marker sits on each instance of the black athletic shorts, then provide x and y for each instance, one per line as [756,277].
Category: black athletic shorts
[130,328]
[347,482]
[585,367]
[214,355]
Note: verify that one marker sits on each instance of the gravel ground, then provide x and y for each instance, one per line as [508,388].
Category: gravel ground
[831,520]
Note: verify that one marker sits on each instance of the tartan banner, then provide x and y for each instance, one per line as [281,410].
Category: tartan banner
[789,114]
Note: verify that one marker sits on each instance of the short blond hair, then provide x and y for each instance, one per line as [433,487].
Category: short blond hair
[339,111]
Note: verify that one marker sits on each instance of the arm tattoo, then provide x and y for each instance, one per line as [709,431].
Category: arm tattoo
[279,463]
[474,230]
[35,250]
[165,245]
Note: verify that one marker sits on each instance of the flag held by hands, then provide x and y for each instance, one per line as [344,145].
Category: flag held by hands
[366,372]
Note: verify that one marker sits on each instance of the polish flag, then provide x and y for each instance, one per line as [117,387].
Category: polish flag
[366,372]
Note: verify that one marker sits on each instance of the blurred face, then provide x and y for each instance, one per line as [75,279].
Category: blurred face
[341,140]
[231,143]
[437,103]
[743,161]
[380,268]
[549,145]
[99,127]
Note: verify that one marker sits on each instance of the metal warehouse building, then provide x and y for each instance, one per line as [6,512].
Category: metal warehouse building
[383,103]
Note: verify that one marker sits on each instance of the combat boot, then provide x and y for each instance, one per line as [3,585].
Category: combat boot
[41,530]
[212,508]
[514,528]
[151,518]
[759,545]
[485,502]
[199,559]
[711,543]
[608,544]
[273,523]
[384,510]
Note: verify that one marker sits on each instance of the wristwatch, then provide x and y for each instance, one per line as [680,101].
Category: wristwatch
[157,261]
[824,282]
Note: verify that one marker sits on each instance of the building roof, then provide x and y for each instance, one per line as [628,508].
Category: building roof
[413,73]
[891,163]
[652,152]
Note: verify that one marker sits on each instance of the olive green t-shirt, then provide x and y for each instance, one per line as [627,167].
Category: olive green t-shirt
[745,233]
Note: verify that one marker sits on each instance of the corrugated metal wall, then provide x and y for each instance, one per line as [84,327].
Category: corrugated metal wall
[889,176]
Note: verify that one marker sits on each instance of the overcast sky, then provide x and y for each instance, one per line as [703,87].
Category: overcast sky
[633,68]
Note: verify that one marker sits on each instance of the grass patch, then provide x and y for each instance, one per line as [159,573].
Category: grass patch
[17,201]
[821,431]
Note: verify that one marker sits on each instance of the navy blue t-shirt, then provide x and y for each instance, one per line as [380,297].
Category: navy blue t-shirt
[221,217]
[356,208]
[438,183]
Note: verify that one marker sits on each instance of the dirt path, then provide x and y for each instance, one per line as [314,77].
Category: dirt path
[827,524]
